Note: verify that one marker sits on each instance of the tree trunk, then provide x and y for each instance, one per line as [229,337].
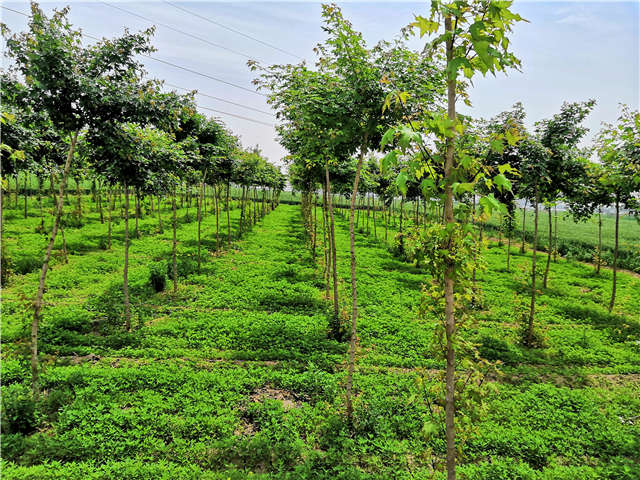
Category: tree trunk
[137,207]
[549,248]
[37,304]
[125,286]
[354,290]
[555,234]
[160,227]
[315,226]
[532,308]
[327,255]
[79,198]
[216,192]
[175,243]
[524,219]
[64,245]
[615,256]
[110,209]
[449,277]
[228,218]
[599,259]
[241,211]
[333,247]
[99,198]
[26,179]
[200,222]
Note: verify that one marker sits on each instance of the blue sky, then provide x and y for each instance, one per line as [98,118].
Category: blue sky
[570,51]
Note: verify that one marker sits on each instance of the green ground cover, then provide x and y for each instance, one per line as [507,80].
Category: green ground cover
[234,377]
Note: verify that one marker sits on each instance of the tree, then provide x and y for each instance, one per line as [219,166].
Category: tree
[76,86]
[474,40]
[560,136]
[619,151]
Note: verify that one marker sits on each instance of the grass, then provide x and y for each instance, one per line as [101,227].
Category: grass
[234,376]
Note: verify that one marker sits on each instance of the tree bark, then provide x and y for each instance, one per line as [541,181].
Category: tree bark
[110,209]
[125,286]
[216,192]
[175,243]
[549,248]
[37,304]
[333,246]
[228,218]
[200,222]
[354,290]
[26,179]
[524,219]
[449,277]
[599,259]
[615,256]
[532,308]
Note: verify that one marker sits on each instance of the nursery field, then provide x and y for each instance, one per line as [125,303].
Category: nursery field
[233,376]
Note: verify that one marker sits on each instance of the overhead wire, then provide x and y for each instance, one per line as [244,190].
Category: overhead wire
[186,89]
[169,27]
[239,32]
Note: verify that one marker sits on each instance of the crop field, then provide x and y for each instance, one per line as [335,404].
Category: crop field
[234,377]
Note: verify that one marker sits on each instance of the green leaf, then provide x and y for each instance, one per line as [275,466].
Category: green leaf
[401,182]
[425,25]
[388,160]
[481,47]
[387,137]
[502,182]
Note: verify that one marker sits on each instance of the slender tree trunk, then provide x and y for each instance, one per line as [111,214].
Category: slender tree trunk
[200,222]
[175,243]
[599,259]
[327,255]
[242,211]
[524,219]
[64,245]
[125,286]
[37,305]
[375,231]
[216,191]
[532,308]
[336,317]
[555,234]
[99,193]
[549,248]
[449,278]
[315,225]
[354,290]
[26,179]
[136,196]
[110,209]
[160,227]
[615,256]
[228,218]
[79,198]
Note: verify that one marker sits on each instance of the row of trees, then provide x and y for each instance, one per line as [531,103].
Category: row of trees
[400,108]
[90,111]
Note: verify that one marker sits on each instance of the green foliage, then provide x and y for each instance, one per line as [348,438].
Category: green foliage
[18,410]
[158,276]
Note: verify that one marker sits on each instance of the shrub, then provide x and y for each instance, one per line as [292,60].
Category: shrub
[157,277]
[18,409]
[493,349]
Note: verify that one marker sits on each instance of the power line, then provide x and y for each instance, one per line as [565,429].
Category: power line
[195,72]
[232,30]
[182,88]
[186,69]
[177,30]
[238,116]
[221,99]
